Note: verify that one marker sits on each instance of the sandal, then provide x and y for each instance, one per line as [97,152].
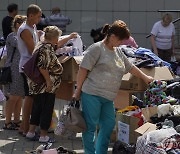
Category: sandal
[17,124]
[34,138]
[61,149]
[49,141]
[9,126]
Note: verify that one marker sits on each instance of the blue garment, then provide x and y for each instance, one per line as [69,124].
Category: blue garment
[97,111]
[154,57]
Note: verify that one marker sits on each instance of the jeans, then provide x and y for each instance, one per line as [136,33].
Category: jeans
[97,111]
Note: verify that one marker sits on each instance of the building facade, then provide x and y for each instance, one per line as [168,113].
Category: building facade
[140,15]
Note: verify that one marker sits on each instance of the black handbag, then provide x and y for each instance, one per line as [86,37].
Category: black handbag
[5,72]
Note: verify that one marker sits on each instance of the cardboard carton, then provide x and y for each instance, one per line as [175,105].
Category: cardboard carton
[70,67]
[124,98]
[131,82]
[65,90]
[146,128]
[127,126]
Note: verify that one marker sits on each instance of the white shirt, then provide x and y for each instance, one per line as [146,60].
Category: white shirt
[163,35]
[25,54]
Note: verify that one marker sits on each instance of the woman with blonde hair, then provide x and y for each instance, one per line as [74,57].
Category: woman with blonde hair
[44,94]
[162,38]
[15,88]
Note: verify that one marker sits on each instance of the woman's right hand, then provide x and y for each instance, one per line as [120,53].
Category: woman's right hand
[48,86]
[77,94]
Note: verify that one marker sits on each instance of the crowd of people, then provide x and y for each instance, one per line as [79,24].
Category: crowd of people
[98,80]
[21,44]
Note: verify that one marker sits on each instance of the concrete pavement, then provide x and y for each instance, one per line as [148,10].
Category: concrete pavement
[13,143]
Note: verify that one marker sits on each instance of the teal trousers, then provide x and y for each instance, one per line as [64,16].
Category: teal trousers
[97,111]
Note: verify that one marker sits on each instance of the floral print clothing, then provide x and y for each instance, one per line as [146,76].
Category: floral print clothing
[47,60]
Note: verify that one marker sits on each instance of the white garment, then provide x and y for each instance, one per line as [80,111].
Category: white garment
[77,45]
[25,54]
[163,35]
[4,50]
[157,136]
[2,97]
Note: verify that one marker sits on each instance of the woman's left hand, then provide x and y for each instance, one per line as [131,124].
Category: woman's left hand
[148,79]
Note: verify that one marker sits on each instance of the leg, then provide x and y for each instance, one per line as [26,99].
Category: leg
[47,111]
[17,109]
[26,112]
[10,104]
[36,112]
[106,124]
[167,55]
[27,107]
[48,100]
[91,107]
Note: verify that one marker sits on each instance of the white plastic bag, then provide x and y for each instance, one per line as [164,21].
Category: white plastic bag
[2,97]
[173,58]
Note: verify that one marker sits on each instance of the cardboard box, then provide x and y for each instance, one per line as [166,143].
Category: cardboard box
[127,126]
[146,128]
[65,90]
[133,83]
[124,98]
[70,67]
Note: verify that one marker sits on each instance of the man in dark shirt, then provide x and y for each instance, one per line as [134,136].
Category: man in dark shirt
[7,21]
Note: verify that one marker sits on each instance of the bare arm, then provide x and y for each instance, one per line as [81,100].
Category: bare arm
[138,73]
[153,44]
[46,76]
[81,76]
[172,39]
[27,37]
[66,39]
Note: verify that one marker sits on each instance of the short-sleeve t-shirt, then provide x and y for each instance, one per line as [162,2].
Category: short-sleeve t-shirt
[106,69]
[163,35]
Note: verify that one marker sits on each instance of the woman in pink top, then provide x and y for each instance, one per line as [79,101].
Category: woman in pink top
[130,42]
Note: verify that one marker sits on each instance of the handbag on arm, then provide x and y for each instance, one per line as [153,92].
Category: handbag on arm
[75,121]
[5,72]
[31,69]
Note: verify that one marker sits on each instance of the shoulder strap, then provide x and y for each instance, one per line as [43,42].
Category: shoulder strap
[14,49]
[2,53]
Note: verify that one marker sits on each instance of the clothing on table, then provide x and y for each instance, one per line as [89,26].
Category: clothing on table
[157,141]
[74,47]
[6,26]
[106,70]
[16,86]
[155,93]
[148,53]
[46,60]
[25,54]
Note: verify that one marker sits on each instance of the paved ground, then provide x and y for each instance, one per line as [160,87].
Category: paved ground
[12,143]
